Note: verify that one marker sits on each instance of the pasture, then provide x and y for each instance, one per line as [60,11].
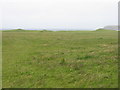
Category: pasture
[60,59]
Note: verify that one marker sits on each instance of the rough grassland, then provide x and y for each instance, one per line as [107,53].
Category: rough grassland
[0,59]
[74,59]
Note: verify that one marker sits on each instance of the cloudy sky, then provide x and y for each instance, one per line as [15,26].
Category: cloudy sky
[58,14]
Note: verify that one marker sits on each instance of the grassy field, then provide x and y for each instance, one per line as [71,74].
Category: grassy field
[0,59]
[62,59]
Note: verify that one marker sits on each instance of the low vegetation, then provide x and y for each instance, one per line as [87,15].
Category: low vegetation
[75,59]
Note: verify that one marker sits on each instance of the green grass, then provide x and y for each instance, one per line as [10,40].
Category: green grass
[22,30]
[0,60]
[75,59]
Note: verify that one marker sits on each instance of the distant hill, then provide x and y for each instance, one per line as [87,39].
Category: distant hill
[111,27]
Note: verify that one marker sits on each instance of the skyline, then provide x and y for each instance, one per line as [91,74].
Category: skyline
[58,14]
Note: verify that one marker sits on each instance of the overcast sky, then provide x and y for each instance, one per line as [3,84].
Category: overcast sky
[58,14]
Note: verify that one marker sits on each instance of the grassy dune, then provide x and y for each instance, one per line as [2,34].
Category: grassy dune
[75,59]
